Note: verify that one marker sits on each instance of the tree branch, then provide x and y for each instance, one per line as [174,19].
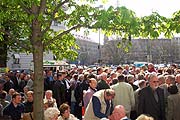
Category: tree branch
[67,31]
[23,6]
[53,15]
[63,33]
[42,6]
[15,38]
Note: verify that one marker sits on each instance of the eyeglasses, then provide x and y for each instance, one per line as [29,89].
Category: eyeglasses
[155,81]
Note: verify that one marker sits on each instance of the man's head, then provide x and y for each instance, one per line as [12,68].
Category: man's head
[113,75]
[99,70]
[153,80]
[7,78]
[60,76]
[93,83]
[126,67]
[64,73]
[142,83]
[130,79]
[118,112]
[11,91]
[151,67]
[3,95]
[119,69]
[16,98]
[170,79]
[109,94]
[81,77]
[104,76]
[161,79]
[177,78]
[49,72]
[121,78]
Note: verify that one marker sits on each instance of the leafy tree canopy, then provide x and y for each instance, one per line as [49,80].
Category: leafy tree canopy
[18,16]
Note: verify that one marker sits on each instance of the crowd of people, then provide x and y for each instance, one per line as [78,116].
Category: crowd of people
[103,93]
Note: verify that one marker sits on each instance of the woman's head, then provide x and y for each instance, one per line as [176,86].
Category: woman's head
[51,113]
[64,110]
[48,94]
[144,117]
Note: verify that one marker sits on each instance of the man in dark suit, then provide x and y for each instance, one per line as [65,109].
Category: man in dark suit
[102,82]
[68,88]
[59,90]
[48,80]
[15,108]
[151,99]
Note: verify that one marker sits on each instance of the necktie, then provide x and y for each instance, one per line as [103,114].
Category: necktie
[156,95]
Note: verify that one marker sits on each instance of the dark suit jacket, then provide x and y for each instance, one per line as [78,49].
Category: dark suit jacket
[67,91]
[14,112]
[59,92]
[102,85]
[148,105]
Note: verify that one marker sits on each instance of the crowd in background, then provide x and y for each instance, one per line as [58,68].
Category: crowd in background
[121,93]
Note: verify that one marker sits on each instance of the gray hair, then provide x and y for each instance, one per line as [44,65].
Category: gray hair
[151,75]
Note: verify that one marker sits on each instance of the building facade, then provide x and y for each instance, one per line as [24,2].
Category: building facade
[146,50]
[88,52]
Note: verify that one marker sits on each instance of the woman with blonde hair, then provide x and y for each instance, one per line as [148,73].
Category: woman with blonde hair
[51,113]
[144,117]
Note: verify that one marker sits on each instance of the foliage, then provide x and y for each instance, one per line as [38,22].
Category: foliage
[175,22]
[19,16]
[27,25]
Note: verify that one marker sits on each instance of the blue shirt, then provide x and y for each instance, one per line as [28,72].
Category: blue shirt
[97,108]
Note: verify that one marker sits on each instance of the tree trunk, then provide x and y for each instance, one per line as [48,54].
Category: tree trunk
[3,54]
[37,44]
[38,81]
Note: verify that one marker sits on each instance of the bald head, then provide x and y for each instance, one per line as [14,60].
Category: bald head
[177,78]
[120,109]
[118,112]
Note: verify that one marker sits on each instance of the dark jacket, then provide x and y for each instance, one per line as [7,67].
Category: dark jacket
[102,85]
[8,85]
[59,92]
[68,91]
[78,94]
[14,112]
[48,83]
[148,105]
[28,106]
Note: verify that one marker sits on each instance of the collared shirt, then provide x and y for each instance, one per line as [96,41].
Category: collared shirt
[125,118]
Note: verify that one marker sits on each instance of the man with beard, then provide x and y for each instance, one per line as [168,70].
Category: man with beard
[151,99]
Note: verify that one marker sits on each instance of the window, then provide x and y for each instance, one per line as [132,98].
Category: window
[55,23]
[16,58]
